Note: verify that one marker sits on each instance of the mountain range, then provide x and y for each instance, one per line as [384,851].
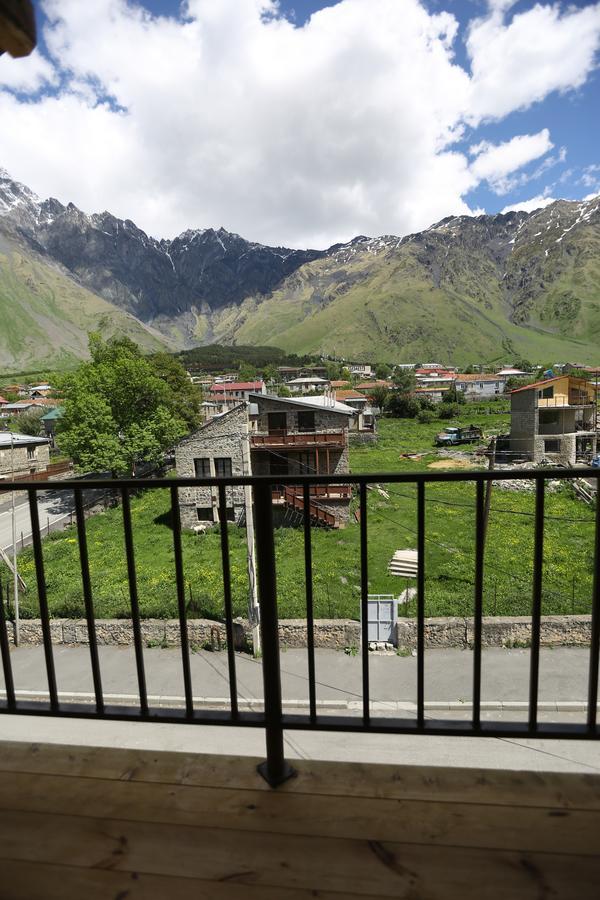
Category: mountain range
[467,289]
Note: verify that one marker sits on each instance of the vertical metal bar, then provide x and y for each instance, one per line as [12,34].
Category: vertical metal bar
[364,602]
[310,623]
[480,530]
[42,598]
[227,600]
[592,710]
[9,683]
[274,770]
[134,601]
[536,612]
[180,584]
[420,604]
[87,598]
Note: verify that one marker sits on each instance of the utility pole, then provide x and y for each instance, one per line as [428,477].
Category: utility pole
[14,541]
[488,488]
[253,608]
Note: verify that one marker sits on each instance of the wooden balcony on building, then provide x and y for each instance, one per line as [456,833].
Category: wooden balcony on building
[297,441]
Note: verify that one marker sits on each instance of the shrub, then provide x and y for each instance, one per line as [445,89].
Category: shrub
[426,416]
[448,410]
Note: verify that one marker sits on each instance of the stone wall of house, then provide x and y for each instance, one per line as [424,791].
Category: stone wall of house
[326,420]
[22,463]
[523,422]
[221,437]
[565,456]
[333,634]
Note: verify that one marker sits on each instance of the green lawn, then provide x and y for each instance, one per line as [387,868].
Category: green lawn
[391,526]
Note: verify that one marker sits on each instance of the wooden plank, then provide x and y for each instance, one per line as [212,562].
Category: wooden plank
[444,784]
[44,881]
[404,821]
[304,863]
[408,821]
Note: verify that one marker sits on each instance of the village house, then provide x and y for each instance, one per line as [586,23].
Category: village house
[270,436]
[234,391]
[364,422]
[49,422]
[554,420]
[480,387]
[22,454]
[39,390]
[306,384]
[361,370]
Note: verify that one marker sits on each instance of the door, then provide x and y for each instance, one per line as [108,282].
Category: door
[381,620]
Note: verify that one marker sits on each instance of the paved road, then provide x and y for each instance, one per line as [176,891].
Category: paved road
[563,679]
[563,676]
[54,507]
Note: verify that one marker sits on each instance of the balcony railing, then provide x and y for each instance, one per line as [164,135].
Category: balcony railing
[296,440]
[272,719]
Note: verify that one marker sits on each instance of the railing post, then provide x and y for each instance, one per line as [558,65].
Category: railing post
[274,770]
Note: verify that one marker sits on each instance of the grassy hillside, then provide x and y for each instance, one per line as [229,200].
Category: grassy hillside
[389,307]
[46,316]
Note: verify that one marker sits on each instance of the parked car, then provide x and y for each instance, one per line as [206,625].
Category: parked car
[595,463]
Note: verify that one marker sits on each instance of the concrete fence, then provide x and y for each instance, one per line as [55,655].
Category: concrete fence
[332,634]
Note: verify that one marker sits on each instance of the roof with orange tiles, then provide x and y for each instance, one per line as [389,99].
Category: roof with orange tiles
[349,395]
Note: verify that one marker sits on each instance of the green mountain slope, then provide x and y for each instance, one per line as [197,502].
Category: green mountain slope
[469,289]
[45,315]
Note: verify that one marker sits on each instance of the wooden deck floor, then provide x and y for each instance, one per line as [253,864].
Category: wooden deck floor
[87,824]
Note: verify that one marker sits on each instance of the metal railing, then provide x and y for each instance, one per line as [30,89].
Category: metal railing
[272,719]
[295,439]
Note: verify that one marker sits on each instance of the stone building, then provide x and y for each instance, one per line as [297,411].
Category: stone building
[554,420]
[22,454]
[217,449]
[270,436]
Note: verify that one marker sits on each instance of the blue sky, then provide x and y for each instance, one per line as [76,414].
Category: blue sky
[306,127]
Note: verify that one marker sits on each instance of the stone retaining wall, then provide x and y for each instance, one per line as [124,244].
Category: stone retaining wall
[332,634]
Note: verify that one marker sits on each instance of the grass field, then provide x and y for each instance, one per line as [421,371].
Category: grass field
[449,558]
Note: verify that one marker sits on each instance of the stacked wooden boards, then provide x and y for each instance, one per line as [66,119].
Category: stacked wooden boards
[106,823]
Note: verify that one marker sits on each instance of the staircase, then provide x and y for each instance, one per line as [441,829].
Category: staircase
[293,499]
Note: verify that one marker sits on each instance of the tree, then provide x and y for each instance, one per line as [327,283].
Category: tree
[383,371]
[404,380]
[379,396]
[402,406]
[246,372]
[270,374]
[186,397]
[448,410]
[28,423]
[283,391]
[453,396]
[120,410]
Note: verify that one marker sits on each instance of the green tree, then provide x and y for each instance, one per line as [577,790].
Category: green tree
[404,380]
[119,409]
[383,371]
[28,423]
[185,396]
[247,372]
[453,396]
[379,396]
[402,406]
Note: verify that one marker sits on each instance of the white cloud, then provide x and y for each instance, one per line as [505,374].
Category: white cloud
[541,50]
[233,116]
[27,74]
[530,205]
[493,163]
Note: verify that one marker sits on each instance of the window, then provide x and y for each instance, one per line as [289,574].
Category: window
[546,393]
[202,468]
[306,421]
[277,422]
[205,513]
[31,452]
[549,417]
[552,446]
[223,466]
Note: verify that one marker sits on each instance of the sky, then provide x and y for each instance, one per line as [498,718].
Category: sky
[303,123]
